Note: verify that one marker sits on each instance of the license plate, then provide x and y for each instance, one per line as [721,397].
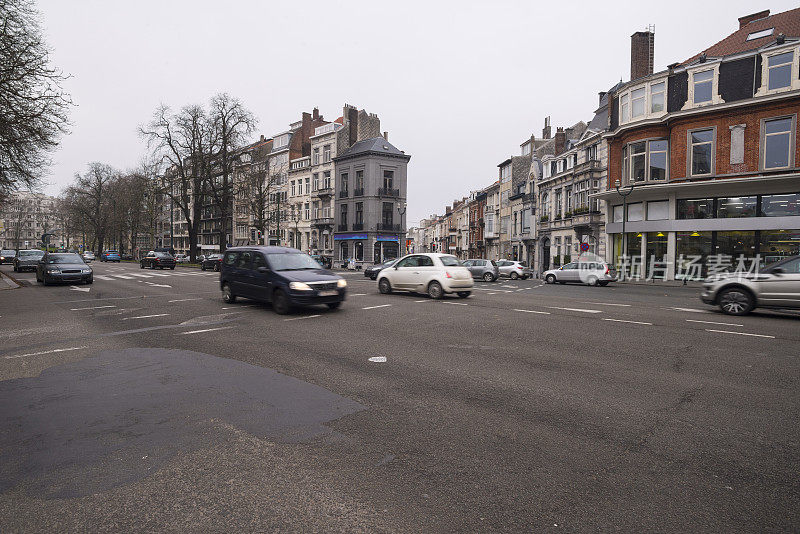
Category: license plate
[328,293]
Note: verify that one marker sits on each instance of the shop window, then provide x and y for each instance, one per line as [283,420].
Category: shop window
[358,250]
[343,251]
[658,211]
[734,244]
[780,205]
[775,245]
[736,207]
[696,209]
[617,214]
[692,249]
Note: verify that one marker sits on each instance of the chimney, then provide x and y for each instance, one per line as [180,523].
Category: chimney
[747,19]
[561,140]
[386,135]
[546,129]
[601,94]
[315,114]
[262,138]
[642,54]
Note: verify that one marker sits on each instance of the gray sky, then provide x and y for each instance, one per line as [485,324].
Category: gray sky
[458,84]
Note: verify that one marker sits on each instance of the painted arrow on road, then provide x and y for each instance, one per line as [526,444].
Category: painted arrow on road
[76,288]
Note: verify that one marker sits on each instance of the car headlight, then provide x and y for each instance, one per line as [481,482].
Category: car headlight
[299,286]
[86,271]
[341,283]
[53,270]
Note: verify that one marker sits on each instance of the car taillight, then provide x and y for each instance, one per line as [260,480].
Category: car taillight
[606,269]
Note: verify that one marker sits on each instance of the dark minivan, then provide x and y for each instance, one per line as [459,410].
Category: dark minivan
[286,277]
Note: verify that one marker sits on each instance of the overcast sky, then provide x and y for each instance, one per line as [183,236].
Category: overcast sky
[458,84]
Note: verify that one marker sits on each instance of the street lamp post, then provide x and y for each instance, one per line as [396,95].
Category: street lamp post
[401,209]
[624,195]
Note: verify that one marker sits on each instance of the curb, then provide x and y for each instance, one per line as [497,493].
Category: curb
[10,282]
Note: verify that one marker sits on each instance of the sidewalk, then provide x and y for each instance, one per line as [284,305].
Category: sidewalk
[6,282]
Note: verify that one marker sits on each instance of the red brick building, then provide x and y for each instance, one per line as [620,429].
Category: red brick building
[477,247]
[709,150]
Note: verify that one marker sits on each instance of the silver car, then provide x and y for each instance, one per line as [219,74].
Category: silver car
[777,286]
[481,269]
[514,269]
[88,256]
[593,273]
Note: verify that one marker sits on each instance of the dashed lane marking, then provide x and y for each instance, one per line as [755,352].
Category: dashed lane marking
[379,306]
[532,311]
[693,310]
[424,300]
[712,322]
[102,277]
[625,321]
[574,309]
[183,300]
[140,275]
[145,316]
[204,330]
[301,318]
[610,304]
[358,294]
[92,308]
[457,303]
[739,333]
[43,352]
[125,277]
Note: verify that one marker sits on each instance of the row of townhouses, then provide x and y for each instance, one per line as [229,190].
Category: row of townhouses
[25,217]
[336,188]
[695,163]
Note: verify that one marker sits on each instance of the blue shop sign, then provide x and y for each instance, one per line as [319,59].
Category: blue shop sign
[392,238]
[340,237]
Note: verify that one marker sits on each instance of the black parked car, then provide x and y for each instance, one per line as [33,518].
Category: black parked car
[372,271]
[286,277]
[27,260]
[63,267]
[212,261]
[7,256]
[158,260]
[325,261]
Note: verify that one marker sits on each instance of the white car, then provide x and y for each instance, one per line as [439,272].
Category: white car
[434,274]
[182,258]
[88,256]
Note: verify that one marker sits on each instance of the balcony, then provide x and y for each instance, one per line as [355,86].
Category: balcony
[388,192]
[323,192]
[343,194]
[358,226]
[320,222]
[358,192]
[383,227]
[341,228]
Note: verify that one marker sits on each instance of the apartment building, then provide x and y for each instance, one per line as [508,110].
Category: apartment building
[24,217]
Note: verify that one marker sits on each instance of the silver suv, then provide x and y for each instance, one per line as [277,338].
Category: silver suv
[485,270]
[514,269]
[593,273]
[777,286]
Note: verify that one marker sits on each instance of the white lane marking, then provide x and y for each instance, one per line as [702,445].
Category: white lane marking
[491,293]
[76,288]
[145,316]
[624,321]
[693,310]
[574,309]
[237,307]
[182,300]
[457,303]
[204,330]
[102,277]
[140,275]
[739,333]
[358,294]
[532,311]
[609,304]
[424,300]
[151,284]
[379,306]
[712,322]
[92,308]
[378,359]
[301,318]
[122,276]
[159,274]
[523,289]
[43,352]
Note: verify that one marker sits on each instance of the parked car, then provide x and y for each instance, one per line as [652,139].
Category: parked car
[486,270]
[157,260]
[372,271]
[63,267]
[182,258]
[776,286]
[7,256]
[127,257]
[88,256]
[110,255]
[514,269]
[593,273]
[432,273]
[27,260]
[212,261]
[286,277]
[325,261]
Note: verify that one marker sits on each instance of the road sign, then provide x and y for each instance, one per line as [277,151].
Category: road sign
[584,247]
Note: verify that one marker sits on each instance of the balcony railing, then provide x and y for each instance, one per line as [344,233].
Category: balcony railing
[384,227]
[342,228]
[358,226]
[388,192]
[322,221]
[343,194]
[323,192]
[358,192]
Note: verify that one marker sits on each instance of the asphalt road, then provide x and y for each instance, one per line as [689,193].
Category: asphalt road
[147,403]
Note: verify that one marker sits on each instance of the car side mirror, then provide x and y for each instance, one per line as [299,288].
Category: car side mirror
[263,269]
[778,270]
[395,267]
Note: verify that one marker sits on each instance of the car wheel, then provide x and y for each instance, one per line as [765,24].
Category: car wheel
[735,301]
[280,302]
[334,305]
[551,279]
[384,286]
[15,269]
[464,294]
[227,294]
[141,265]
[172,268]
[592,281]
[513,276]
[202,267]
[216,268]
[90,280]
[44,281]
[488,277]
[435,290]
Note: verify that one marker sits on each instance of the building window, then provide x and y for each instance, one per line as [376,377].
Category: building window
[343,181]
[307,212]
[657,157]
[359,213]
[777,143]
[308,186]
[387,214]
[360,180]
[316,156]
[657,91]
[343,215]
[780,205]
[358,250]
[623,108]
[702,208]
[702,152]
[736,207]
[343,251]
[658,211]
[637,102]
[759,34]
[635,212]
[388,179]
[293,190]
[315,182]
[326,179]
[326,153]
[703,83]
[779,70]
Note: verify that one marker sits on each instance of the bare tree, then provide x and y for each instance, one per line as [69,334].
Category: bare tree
[90,197]
[33,106]
[252,186]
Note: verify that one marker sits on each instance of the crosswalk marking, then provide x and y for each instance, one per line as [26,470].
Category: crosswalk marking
[141,275]
[123,276]
[102,277]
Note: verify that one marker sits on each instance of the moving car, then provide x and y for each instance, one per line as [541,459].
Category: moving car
[514,269]
[110,255]
[593,273]
[432,273]
[157,260]
[776,286]
[486,270]
[63,267]
[7,256]
[373,270]
[27,260]
[286,277]
[182,258]
[325,261]
[88,256]
[212,261]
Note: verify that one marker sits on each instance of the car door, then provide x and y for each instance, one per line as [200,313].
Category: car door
[402,277]
[781,288]
[425,272]
[568,273]
[261,277]
[242,275]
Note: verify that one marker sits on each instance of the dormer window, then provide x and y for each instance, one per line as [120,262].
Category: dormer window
[703,86]
[643,102]
[703,83]
[623,108]
[637,102]
[779,70]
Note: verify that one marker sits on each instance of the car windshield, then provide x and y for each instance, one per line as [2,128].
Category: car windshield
[111,252]
[64,258]
[162,255]
[449,261]
[31,253]
[389,263]
[6,252]
[292,262]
